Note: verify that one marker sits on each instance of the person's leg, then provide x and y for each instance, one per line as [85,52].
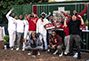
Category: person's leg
[38,48]
[67,40]
[22,42]
[11,39]
[26,38]
[55,50]
[14,37]
[71,44]
[23,48]
[59,48]
[18,40]
[77,42]
[48,50]
[45,42]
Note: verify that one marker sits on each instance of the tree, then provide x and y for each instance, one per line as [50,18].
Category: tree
[6,5]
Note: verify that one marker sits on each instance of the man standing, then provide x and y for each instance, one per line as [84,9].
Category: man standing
[74,30]
[41,28]
[32,20]
[11,28]
[20,31]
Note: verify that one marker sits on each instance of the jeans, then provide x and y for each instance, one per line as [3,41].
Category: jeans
[77,40]
[19,37]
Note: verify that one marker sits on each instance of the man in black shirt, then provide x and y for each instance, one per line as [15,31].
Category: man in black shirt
[74,30]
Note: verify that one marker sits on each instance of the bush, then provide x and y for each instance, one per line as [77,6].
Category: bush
[6,39]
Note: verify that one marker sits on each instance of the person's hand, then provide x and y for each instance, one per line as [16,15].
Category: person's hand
[53,46]
[79,16]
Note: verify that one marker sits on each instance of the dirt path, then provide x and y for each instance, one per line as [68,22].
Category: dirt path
[8,55]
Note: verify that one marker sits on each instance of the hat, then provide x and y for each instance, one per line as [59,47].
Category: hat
[43,13]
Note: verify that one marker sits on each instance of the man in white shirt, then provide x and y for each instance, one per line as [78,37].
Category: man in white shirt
[11,29]
[41,29]
[20,31]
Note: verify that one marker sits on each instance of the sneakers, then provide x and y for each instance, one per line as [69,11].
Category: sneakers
[23,49]
[12,48]
[76,55]
[65,53]
[29,53]
[33,56]
[48,50]
[55,52]
[61,54]
[38,53]
[17,49]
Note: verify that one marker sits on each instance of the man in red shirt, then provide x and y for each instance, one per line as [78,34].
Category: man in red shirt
[32,20]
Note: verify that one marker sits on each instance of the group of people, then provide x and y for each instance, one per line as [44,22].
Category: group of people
[30,32]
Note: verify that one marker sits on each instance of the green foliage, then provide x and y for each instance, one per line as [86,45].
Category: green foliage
[6,5]
[22,9]
[6,39]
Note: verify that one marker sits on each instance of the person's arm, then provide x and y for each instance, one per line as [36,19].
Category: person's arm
[37,26]
[8,14]
[81,19]
[66,15]
[83,11]
[65,22]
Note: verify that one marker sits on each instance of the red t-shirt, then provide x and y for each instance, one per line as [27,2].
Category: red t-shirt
[65,29]
[32,24]
[57,40]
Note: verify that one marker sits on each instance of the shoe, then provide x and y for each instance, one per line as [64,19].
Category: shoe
[38,53]
[23,49]
[61,54]
[76,55]
[5,47]
[65,53]
[55,52]
[29,53]
[48,50]
[12,48]
[17,49]
[33,56]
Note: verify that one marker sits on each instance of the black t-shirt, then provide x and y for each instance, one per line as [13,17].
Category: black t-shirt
[74,27]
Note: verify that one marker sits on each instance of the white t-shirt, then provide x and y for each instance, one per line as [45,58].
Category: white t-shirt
[11,23]
[40,26]
[20,26]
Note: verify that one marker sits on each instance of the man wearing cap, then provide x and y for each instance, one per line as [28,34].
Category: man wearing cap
[41,28]
[11,28]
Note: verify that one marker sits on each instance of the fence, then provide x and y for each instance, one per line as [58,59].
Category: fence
[50,7]
[68,6]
